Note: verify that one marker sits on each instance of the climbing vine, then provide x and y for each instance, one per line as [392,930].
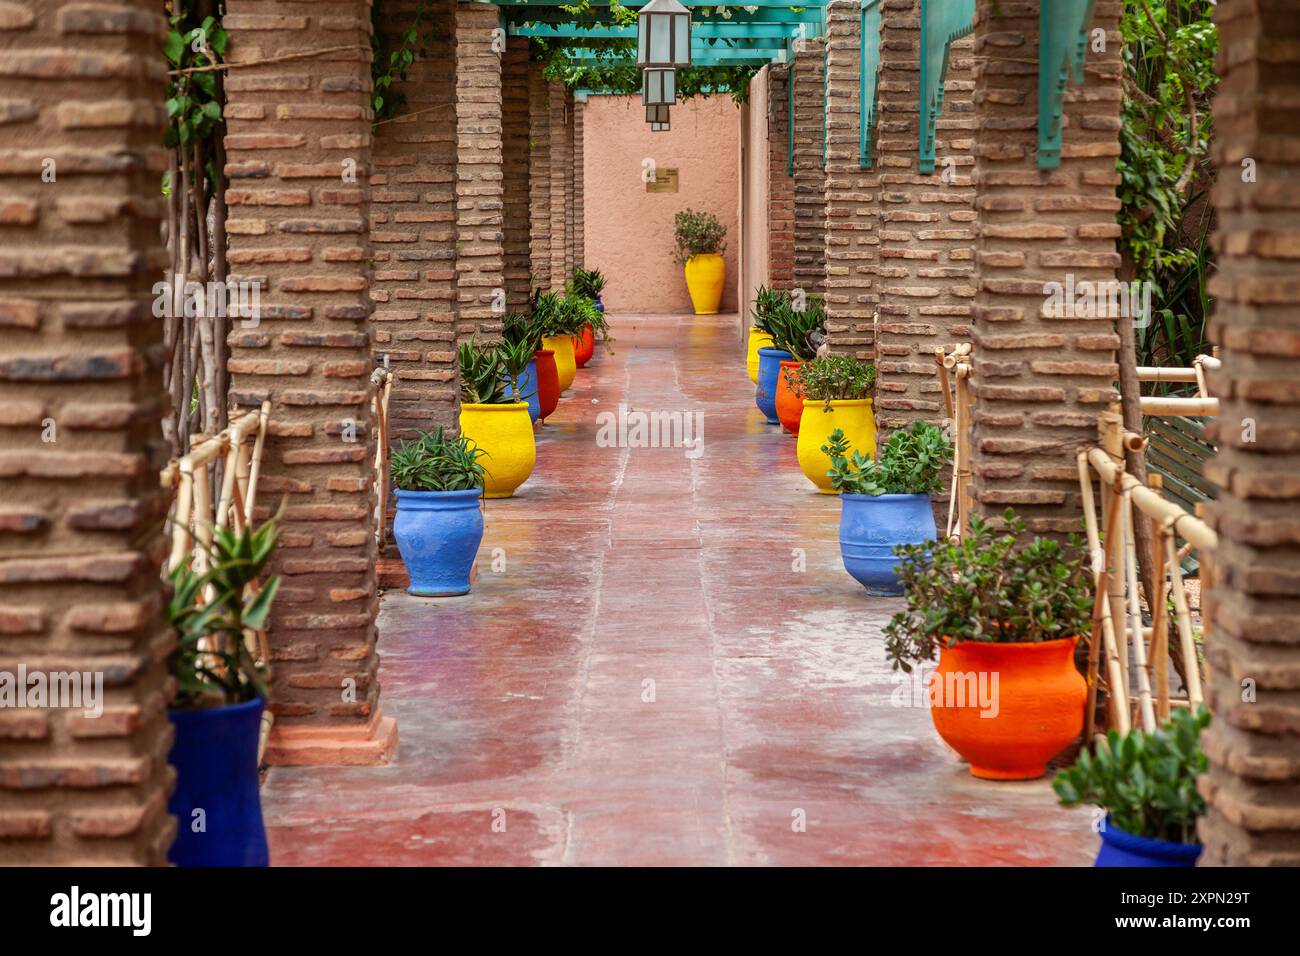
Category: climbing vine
[1165,173]
[390,64]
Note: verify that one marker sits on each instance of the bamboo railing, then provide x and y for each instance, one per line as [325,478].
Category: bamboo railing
[959,408]
[381,388]
[1136,655]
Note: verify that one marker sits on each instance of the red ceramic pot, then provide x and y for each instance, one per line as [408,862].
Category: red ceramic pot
[584,346]
[789,404]
[548,381]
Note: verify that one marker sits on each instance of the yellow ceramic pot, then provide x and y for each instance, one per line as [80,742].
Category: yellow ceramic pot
[566,363]
[758,339]
[505,432]
[705,275]
[815,426]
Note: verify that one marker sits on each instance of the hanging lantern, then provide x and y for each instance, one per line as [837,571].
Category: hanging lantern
[657,117]
[663,35]
[658,87]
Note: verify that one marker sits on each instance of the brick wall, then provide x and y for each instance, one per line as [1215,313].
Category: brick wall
[514,157]
[780,184]
[928,225]
[539,175]
[299,148]
[561,168]
[1253,639]
[1040,381]
[852,194]
[579,233]
[480,259]
[80,403]
[809,256]
[412,229]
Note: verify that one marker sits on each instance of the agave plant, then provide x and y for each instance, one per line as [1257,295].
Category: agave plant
[435,462]
[483,375]
[791,330]
[587,282]
[213,612]
[522,329]
[766,302]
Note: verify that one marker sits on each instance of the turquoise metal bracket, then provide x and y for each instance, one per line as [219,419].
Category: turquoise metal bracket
[942,23]
[1062,48]
[868,79]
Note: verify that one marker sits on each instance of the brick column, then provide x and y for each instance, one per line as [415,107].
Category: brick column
[809,177]
[852,196]
[299,155]
[570,184]
[412,228]
[1253,598]
[927,233]
[1040,380]
[80,437]
[514,154]
[780,184]
[579,208]
[539,176]
[561,165]
[480,256]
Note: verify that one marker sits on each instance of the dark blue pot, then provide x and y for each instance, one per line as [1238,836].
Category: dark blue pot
[600,306]
[215,756]
[1121,848]
[528,386]
[769,367]
[871,527]
[438,534]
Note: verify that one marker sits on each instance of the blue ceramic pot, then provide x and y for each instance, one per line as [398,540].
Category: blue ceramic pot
[600,306]
[1121,848]
[216,805]
[769,367]
[438,534]
[871,527]
[528,391]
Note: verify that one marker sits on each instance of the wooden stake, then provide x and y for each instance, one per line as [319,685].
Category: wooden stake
[1159,621]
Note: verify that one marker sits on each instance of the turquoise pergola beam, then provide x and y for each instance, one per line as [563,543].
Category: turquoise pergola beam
[1062,49]
[777,32]
[709,56]
[633,4]
[942,23]
[529,13]
[868,80]
[697,43]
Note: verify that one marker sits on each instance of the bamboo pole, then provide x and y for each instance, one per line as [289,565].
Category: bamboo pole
[945,387]
[1152,373]
[1159,623]
[1103,631]
[1191,663]
[1161,405]
[1140,662]
[1195,531]
[1110,426]
[963,450]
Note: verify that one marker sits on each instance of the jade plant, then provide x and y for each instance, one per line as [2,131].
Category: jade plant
[433,461]
[984,587]
[831,378]
[213,611]
[483,375]
[1146,782]
[911,463]
[697,234]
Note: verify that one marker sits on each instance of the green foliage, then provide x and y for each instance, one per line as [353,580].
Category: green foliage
[698,233]
[984,588]
[833,378]
[766,303]
[210,612]
[790,328]
[1145,781]
[483,375]
[391,66]
[565,314]
[911,463]
[587,282]
[523,330]
[193,100]
[434,462]
[1169,79]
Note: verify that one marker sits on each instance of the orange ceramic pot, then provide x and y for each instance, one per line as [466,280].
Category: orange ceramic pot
[789,404]
[584,346]
[1008,708]
[548,382]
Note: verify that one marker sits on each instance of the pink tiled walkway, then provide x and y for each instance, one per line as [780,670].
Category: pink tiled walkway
[650,678]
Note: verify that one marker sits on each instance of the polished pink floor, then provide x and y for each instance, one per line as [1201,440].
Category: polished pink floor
[670,666]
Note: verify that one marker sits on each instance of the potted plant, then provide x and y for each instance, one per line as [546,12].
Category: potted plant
[588,284]
[562,318]
[493,420]
[837,393]
[794,331]
[1003,621]
[1146,783]
[765,300]
[438,482]
[220,695]
[886,503]
[700,243]
[521,338]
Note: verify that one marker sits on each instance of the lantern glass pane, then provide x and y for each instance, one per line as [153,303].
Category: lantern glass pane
[681,40]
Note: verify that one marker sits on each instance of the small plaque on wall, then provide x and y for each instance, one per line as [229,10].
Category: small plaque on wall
[665,181]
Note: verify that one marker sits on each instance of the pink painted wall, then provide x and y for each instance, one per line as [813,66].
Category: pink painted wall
[628,231]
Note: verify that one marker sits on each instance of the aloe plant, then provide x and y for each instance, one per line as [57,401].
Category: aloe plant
[483,375]
[436,462]
[211,611]
[587,282]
